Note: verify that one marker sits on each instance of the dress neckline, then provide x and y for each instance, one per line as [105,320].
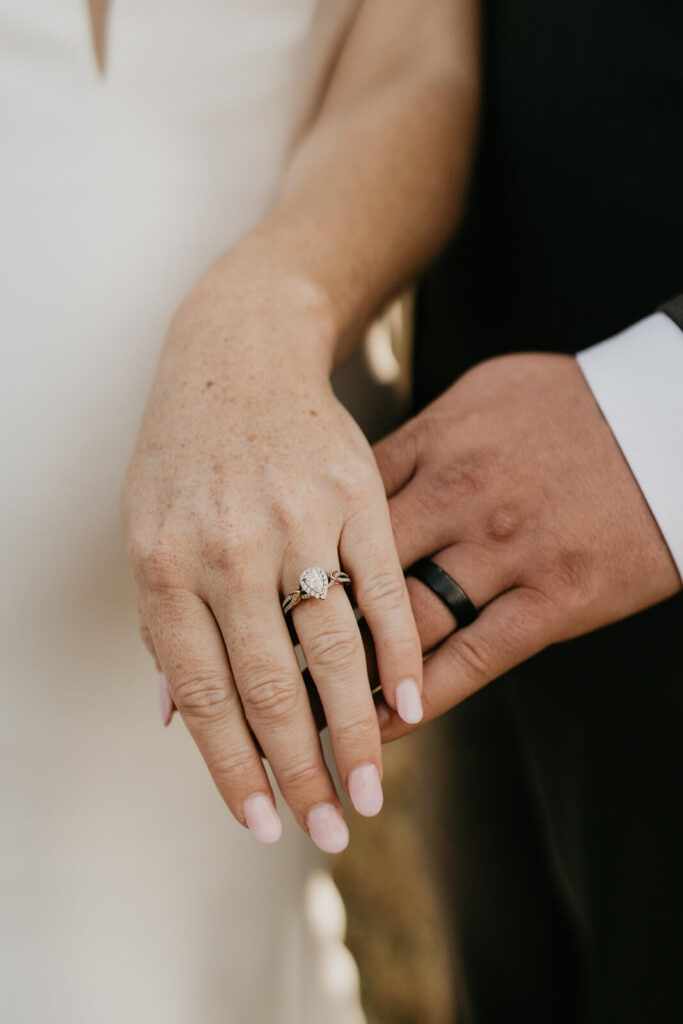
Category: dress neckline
[98,11]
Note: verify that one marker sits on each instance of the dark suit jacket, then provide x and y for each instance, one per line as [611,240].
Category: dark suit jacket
[566,777]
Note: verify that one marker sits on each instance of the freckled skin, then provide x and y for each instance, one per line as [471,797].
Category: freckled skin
[238,482]
[247,468]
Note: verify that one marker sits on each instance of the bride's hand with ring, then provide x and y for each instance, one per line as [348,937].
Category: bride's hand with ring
[248,470]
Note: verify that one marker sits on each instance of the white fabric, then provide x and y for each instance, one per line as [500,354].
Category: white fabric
[637,380]
[128,892]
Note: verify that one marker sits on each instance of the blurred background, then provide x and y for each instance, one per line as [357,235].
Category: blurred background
[138,141]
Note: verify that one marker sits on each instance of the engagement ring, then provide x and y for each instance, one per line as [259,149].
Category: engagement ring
[314,582]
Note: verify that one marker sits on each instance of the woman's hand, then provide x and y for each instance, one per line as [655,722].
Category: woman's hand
[513,482]
[246,471]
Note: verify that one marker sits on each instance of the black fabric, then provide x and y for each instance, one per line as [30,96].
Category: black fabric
[575,218]
[561,859]
[562,790]
[674,309]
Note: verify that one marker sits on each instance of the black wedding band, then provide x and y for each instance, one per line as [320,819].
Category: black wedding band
[446,589]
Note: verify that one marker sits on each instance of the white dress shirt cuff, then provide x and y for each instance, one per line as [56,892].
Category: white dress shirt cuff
[637,380]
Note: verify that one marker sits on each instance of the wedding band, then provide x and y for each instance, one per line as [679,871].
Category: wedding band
[314,582]
[446,589]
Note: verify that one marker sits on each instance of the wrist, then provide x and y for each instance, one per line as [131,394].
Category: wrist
[250,306]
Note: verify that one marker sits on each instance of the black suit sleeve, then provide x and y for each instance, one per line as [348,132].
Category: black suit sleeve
[674,309]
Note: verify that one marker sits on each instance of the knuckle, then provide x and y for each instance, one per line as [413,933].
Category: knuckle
[345,475]
[332,649]
[301,776]
[231,768]
[156,562]
[472,656]
[360,734]
[286,513]
[386,588]
[221,549]
[356,480]
[269,693]
[462,480]
[199,694]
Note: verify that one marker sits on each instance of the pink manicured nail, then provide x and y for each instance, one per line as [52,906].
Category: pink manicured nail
[408,701]
[365,789]
[262,819]
[165,700]
[327,828]
[383,714]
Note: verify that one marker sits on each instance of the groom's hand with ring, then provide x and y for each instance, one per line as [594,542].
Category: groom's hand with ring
[513,483]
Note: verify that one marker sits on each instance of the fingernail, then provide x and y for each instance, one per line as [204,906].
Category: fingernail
[165,700]
[365,789]
[383,714]
[327,828]
[408,701]
[262,819]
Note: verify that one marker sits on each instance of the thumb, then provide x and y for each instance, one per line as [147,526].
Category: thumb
[510,630]
[396,456]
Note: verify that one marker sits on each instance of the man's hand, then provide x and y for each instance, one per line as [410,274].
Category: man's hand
[513,482]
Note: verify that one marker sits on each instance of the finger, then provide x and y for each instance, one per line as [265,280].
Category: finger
[420,522]
[369,554]
[195,663]
[276,706]
[332,645]
[166,705]
[147,640]
[396,457]
[511,629]
[481,577]
[474,568]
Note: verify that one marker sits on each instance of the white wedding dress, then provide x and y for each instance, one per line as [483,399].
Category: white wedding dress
[127,891]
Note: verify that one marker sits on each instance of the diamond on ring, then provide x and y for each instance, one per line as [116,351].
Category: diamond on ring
[314,582]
